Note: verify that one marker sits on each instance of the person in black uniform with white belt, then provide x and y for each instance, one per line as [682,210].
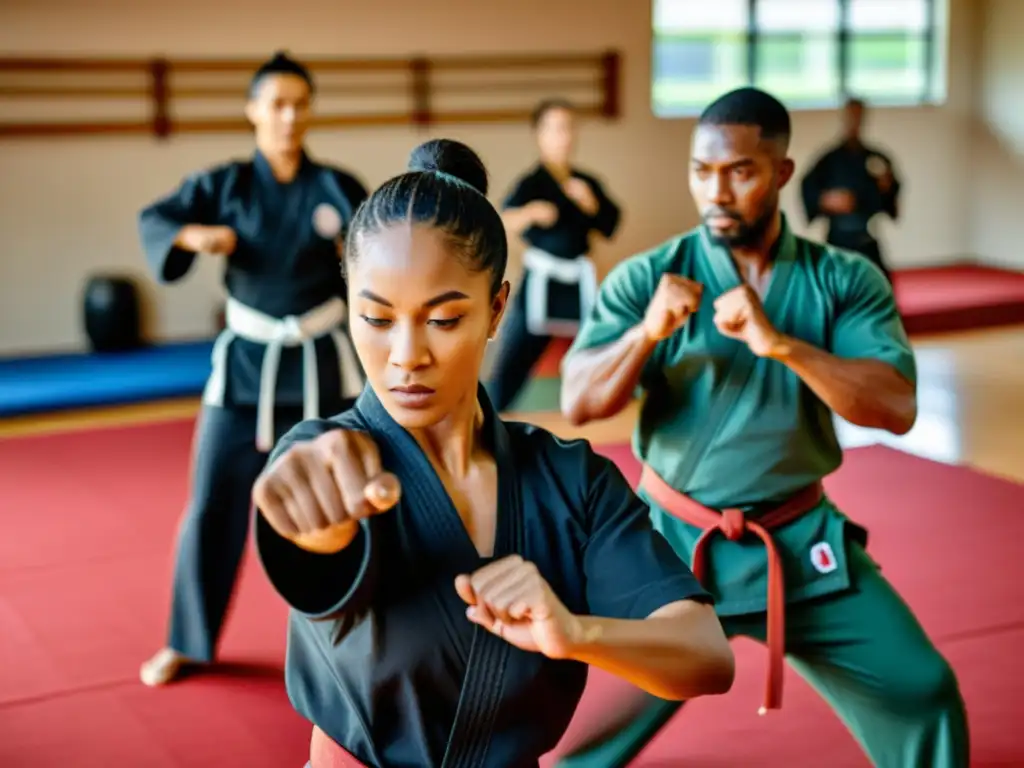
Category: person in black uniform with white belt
[555,208]
[278,221]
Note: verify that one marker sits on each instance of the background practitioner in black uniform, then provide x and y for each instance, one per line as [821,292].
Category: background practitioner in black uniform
[851,184]
[554,208]
[278,221]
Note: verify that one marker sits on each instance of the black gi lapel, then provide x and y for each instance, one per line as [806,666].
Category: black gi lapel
[427,518]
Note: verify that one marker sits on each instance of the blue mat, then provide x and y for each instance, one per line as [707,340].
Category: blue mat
[37,384]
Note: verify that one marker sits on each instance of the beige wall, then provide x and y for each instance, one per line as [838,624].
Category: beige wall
[997,175]
[72,209]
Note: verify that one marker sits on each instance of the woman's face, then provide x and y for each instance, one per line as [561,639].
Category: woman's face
[420,321]
[556,135]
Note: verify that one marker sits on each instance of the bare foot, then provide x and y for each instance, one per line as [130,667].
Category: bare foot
[162,668]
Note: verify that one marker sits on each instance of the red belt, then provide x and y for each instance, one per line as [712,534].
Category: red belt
[732,524]
[325,752]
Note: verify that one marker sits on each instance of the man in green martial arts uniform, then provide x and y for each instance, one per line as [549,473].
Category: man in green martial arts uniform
[744,339]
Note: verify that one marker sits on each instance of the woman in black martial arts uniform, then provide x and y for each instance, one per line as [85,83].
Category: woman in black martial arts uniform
[555,208]
[278,222]
[451,575]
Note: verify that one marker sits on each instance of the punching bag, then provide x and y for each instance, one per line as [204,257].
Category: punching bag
[111,310]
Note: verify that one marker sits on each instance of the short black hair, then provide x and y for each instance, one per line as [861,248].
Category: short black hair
[753,107]
[279,64]
[546,106]
[445,187]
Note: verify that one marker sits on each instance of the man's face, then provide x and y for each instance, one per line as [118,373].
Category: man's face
[280,112]
[556,134]
[735,179]
[853,119]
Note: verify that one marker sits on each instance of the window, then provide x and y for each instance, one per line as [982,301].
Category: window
[889,50]
[809,53]
[796,42]
[700,51]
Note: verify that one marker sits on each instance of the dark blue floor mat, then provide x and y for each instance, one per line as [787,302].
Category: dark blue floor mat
[36,384]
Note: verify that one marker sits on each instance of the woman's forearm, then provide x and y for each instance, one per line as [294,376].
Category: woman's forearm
[679,652]
[517,220]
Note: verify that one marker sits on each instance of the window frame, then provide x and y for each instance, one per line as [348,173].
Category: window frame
[934,90]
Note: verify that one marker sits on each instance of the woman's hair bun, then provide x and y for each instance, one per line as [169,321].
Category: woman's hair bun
[453,158]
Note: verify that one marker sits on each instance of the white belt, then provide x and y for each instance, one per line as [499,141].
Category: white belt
[252,325]
[544,267]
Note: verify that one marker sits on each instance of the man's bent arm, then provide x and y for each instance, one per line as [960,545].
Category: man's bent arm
[599,382]
[868,393]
